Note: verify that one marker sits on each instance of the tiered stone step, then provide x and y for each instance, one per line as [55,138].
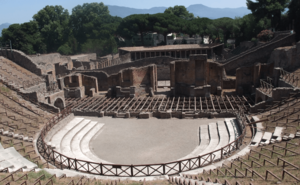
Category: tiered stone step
[65,144]
[13,160]
[213,137]
[84,144]
[259,133]
[76,140]
[266,139]
[180,180]
[57,137]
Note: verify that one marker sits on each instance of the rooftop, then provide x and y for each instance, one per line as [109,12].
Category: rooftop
[170,47]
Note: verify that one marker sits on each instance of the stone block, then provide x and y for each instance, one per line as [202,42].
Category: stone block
[101,114]
[144,115]
[166,115]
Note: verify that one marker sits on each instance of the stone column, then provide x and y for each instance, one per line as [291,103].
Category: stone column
[132,91]
[172,74]
[200,69]
[153,77]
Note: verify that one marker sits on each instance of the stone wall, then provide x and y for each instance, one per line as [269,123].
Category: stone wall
[196,77]
[78,85]
[248,78]
[162,64]
[90,83]
[281,93]
[21,59]
[229,83]
[285,57]
[257,54]
[84,57]
[53,63]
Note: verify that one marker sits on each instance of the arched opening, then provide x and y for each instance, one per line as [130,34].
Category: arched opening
[59,103]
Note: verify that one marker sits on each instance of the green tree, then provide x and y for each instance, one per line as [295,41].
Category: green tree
[92,26]
[294,16]
[133,24]
[25,37]
[180,11]
[224,26]
[53,24]
[87,18]
[271,9]
[165,23]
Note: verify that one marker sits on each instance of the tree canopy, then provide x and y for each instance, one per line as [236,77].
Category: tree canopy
[180,11]
[294,16]
[90,27]
[271,9]
[53,25]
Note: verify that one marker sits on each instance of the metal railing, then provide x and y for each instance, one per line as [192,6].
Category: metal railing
[64,162]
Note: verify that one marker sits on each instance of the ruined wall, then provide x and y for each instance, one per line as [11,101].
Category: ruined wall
[229,83]
[132,81]
[244,80]
[162,64]
[54,63]
[89,83]
[196,77]
[258,54]
[21,59]
[85,57]
[214,76]
[249,77]
[285,57]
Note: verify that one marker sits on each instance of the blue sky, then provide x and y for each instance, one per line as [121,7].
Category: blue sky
[19,11]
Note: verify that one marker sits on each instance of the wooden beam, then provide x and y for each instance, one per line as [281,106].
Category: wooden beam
[229,102]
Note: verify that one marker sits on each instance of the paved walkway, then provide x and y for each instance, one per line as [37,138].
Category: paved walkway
[146,141]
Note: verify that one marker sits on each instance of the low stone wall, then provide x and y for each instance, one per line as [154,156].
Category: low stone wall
[158,114]
[21,59]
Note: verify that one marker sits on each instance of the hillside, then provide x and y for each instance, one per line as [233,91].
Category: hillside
[197,9]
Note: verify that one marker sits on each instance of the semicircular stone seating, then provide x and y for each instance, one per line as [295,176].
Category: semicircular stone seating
[72,139]
[13,160]
[214,136]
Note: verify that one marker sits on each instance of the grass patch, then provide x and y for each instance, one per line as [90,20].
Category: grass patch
[35,175]
[5,89]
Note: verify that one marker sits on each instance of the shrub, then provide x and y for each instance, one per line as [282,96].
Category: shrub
[265,35]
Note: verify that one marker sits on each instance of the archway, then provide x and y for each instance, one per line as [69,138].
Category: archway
[59,103]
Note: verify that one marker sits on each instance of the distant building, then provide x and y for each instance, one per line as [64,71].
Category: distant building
[154,39]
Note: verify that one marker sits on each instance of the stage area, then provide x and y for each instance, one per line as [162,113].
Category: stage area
[146,141]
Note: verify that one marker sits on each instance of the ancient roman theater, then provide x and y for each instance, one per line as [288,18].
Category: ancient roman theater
[153,113]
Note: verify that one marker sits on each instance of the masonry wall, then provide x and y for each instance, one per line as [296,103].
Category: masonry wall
[54,63]
[21,59]
[258,54]
[196,77]
[86,57]
[89,83]
[162,64]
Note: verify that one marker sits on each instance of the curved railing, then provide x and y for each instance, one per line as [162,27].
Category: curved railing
[63,162]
